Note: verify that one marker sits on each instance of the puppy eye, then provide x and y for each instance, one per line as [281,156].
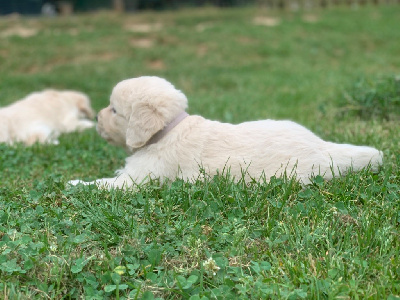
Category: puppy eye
[113,110]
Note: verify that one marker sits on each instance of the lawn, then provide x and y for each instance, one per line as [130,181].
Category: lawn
[336,71]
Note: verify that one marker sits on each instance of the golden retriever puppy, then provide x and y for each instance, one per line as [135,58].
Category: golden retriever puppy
[43,116]
[147,116]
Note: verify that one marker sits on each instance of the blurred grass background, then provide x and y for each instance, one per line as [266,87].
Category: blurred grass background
[234,64]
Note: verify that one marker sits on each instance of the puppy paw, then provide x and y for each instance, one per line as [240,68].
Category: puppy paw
[76,182]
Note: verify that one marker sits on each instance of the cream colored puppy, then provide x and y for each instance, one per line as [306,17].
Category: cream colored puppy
[147,116]
[43,116]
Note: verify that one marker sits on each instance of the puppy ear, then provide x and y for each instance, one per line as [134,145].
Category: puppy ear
[84,106]
[144,121]
[88,111]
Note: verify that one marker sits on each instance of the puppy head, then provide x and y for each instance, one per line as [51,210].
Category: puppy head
[82,102]
[139,108]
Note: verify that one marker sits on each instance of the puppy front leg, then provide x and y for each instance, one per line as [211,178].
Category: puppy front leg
[84,124]
[121,182]
[79,125]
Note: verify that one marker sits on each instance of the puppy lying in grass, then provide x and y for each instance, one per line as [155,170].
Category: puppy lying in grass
[43,116]
[147,116]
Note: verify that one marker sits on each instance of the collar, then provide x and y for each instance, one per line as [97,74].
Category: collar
[163,132]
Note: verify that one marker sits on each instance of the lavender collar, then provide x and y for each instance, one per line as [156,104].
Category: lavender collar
[163,132]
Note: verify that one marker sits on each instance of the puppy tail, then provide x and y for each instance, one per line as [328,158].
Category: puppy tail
[346,156]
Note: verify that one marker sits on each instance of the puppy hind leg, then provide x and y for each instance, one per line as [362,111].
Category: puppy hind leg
[4,136]
[4,130]
[41,134]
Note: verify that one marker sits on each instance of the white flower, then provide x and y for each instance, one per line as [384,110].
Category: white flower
[210,266]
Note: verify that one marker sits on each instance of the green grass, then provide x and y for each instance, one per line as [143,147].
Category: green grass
[277,240]
[373,99]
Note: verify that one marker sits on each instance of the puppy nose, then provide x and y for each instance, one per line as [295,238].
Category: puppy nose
[96,118]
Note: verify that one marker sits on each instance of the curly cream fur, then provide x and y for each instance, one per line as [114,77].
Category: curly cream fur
[140,107]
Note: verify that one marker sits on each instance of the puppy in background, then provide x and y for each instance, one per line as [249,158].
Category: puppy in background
[147,116]
[43,116]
